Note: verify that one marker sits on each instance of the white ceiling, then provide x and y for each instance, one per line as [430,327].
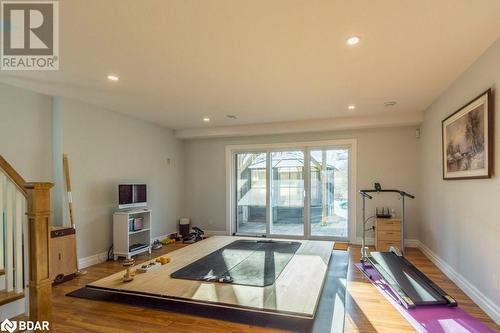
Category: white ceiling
[262,60]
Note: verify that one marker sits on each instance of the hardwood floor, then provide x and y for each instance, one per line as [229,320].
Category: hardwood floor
[366,309]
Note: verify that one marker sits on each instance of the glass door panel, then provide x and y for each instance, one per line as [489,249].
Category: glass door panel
[287,193]
[251,193]
[329,197]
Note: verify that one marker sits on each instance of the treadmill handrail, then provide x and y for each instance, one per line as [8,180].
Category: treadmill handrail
[403,193]
[365,194]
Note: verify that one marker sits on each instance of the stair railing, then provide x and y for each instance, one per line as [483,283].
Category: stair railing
[25,207]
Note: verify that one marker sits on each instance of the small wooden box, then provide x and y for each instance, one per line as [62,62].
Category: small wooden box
[387,234]
[62,254]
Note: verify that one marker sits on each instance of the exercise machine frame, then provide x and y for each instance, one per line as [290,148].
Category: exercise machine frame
[364,195]
[403,263]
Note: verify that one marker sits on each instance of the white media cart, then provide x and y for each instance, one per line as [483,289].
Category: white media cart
[123,237]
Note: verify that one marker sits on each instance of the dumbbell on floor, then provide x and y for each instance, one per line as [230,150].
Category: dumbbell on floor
[128,263]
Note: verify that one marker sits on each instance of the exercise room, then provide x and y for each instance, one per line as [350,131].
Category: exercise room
[249,166]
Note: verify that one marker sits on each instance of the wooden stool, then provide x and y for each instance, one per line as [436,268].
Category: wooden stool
[128,263]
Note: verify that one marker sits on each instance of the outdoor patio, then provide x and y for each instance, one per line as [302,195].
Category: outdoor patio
[334,226]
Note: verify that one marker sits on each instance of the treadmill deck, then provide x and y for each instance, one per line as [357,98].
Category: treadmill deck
[407,281]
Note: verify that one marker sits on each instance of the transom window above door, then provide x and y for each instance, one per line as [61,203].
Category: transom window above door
[302,190]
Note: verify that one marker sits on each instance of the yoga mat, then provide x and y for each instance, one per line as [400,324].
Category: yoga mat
[429,318]
[245,262]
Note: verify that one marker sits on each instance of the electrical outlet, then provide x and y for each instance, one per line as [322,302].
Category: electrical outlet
[210,222]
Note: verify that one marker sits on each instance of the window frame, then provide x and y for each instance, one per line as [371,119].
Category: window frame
[306,147]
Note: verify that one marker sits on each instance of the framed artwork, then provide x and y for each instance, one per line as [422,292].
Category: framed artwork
[468,140]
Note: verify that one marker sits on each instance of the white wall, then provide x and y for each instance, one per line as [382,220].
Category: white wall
[26,132]
[107,148]
[388,156]
[25,142]
[460,220]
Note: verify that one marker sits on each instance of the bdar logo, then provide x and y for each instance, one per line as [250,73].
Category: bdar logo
[9,326]
[24,326]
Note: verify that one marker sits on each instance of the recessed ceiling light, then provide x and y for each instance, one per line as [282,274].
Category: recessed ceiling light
[353,40]
[206,119]
[112,77]
[351,107]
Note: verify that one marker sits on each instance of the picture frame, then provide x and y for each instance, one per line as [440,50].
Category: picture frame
[467,140]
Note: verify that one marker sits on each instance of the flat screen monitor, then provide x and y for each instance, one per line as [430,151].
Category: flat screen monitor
[132,195]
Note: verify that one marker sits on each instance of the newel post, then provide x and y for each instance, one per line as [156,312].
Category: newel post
[40,289]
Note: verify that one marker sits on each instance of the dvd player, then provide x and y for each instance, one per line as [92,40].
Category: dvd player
[138,246]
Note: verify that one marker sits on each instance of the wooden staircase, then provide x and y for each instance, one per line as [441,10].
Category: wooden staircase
[5,296]
[24,251]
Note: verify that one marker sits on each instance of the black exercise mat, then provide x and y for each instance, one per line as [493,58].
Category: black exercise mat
[329,314]
[246,262]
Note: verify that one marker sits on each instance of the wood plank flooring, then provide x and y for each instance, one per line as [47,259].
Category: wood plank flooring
[366,309]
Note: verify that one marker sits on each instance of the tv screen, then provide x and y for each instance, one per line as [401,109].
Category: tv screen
[132,195]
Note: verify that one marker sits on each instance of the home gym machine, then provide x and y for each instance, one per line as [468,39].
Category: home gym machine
[412,287]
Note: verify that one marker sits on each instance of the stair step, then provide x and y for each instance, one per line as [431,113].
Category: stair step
[7,297]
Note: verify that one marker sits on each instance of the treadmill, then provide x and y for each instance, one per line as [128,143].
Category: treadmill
[412,287]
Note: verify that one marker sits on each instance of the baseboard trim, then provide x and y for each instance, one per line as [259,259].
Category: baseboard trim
[370,241]
[486,304]
[216,233]
[14,309]
[92,260]
[162,237]
[103,256]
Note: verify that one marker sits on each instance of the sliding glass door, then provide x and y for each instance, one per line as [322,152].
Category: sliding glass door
[293,192]
[251,193]
[329,198]
[287,193]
